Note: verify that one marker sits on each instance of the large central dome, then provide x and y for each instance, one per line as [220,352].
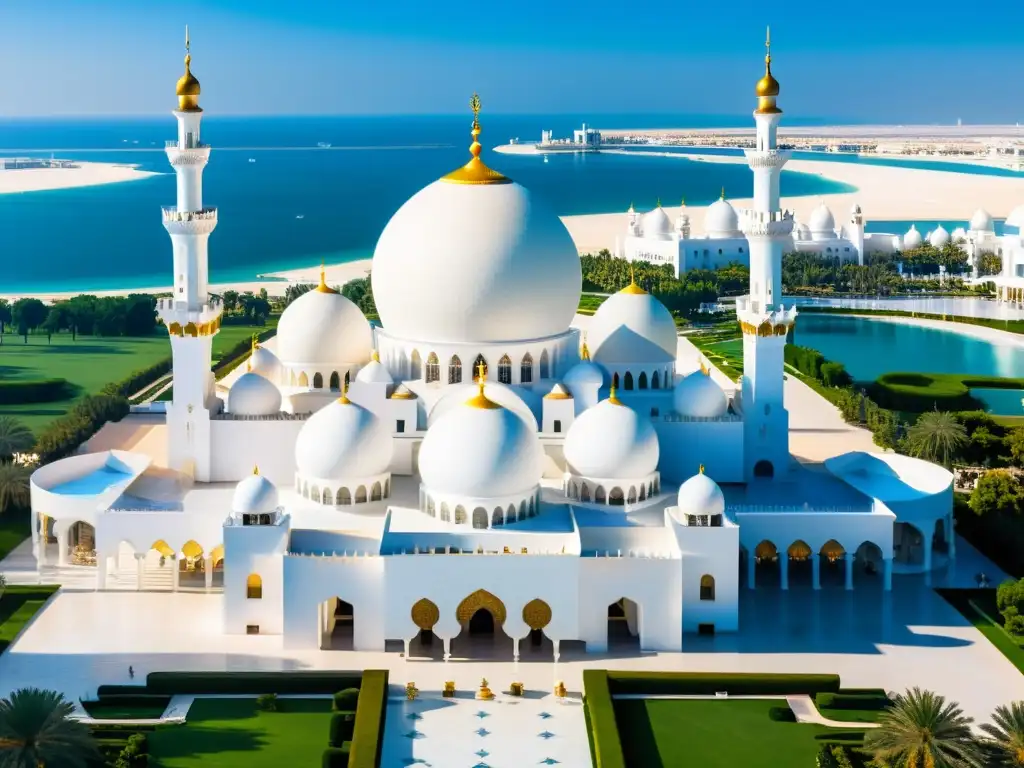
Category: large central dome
[474,257]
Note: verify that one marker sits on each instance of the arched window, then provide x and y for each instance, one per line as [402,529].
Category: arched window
[498,518]
[314,494]
[641,383]
[254,587]
[430,507]
[707,587]
[433,368]
[375,492]
[526,369]
[446,516]
[455,370]
[584,493]
[415,364]
[348,378]
[328,497]
[643,492]
[460,515]
[574,490]
[479,517]
[344,497]
[532,510]
[318,381]
[615,380]
[545,365]
[476,367]
[387,489]
[361,494]
[522,510]
[631,499]
[627,381]
[615,497]
[505,370]
[655,382]
[303,379]
[335,381]
[510,514]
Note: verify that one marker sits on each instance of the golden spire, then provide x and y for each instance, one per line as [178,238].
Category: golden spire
[633,288]
[722,197]
[344,395]
[255,469]
[188,86]
[767,87]
[323,287]
[481,400]
[702,469]
[658,204]
[683,204]
[585,350]
[255,342]
[613,398]
[376,356]
[631,209]
[475,172]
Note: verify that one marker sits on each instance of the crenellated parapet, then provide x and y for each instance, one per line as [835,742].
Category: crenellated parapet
[766,223]
[758,320]
[189,222]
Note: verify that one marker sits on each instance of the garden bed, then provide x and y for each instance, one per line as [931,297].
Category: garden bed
[978,606]
[18,605]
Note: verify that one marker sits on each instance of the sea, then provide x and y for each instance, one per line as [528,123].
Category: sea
[293,191]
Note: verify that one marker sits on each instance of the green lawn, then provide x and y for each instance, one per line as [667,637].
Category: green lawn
[966,600]
[678,733]
[851,716]
[230,733]
[14,529]
[18,605]
[727,356]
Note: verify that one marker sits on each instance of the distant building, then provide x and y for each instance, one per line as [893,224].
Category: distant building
[584,139]
[23,163]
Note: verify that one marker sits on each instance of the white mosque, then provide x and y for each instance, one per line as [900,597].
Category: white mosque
[473,472]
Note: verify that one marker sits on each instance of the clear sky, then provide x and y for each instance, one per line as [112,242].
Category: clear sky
[891,61]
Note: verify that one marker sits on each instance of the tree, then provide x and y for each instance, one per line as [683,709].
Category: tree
[1006,734]
[1015,442]
[921,730]
[1010,601]
[14,488]
[28,315]
[15,437]
[37,730]
[230,299]
[936,436]
[997,492]
[5,314]
[989,264]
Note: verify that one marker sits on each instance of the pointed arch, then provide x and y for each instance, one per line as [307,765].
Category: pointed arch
[505,370]
[430,506]
[303,379]
[348,378]
[480,518]
[476,367]
[191,549]
[415,365]
[522,510]
[318,380]
[460,515]
[643,492]
[498,518]
[361,494]
[328,497]
[455,370]
[615,380]
[584,493]
[387,489]
[799,550]
[433,368]
[532,509]
[599,496]
[254,587]
[631,498]
[510,514]
[545,365]
[335,382]
[574,490]
[481,599]
[314,494]
[627,381]
[766,550]
[832,550]
[526,369]
[375,492]
[344,497]
[707,587]
[641,383]
[446,516]
[425,613]
[655,381]
[615,497]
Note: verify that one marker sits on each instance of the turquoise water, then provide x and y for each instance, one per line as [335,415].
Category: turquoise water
[96,482]
[111,236]
[1005,402]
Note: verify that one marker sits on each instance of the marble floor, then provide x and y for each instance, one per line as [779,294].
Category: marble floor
[510,731]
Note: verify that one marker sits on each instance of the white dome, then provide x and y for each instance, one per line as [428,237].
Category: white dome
[700,495]
[822,223]
[253,395]
[584,373]
[343,441]
[254,495]
[938,237]
[481,450]
[323,328]
[912,239]
[981,221]
[721,220]
[475,263]
[374,372]
[611,440]
[802,232]
[525,402]
[698,396]
[958,234]
[1016,217]
[265,363]
[632,326]
[656,224]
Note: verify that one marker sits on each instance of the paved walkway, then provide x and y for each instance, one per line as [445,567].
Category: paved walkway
[805,711]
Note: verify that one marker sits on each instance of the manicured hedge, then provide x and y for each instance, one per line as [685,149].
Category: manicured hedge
[39,391]
[346,700]
[342,728]
[806,360]
[122,690]
[368,734]
[703,683]
[601,714]
[919,392]
[174,683]
[851,701]
[137,380]
[336,757]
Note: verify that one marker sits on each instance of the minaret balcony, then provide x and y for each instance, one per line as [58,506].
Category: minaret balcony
[179,314]
[764,319]
[189,222]
[766,224]
[767,158]
[195,154]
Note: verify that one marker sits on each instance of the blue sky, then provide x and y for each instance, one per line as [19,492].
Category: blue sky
[892,61]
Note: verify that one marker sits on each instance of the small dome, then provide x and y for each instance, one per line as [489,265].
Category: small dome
[1016,217]
[323,328]
[697,396]
[481,450]
[912,239]
[822,223]
[343,441]
[558,392]
[632,326]
[981,221]
[584,373]
[374,372]
[802,232]
[402,392]
[656,224]
[700,495]
[255,495]
[721,220]
[253,395]
[958,234]
[611,440]
[265,363]
[938,237]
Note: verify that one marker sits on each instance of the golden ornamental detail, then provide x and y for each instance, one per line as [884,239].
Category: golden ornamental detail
[766,328]
[480,599]
[425,614]
[475,171]
[537,614]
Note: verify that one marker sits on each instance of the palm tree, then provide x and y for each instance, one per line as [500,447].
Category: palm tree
[15,437]
[13,485]
[1006,734]
[37,731]
[936,435]
[920,730]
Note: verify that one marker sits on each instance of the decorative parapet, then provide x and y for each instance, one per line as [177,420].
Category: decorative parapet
[189,222]
[767,158]
[183,156]
[764,320]
[766,224]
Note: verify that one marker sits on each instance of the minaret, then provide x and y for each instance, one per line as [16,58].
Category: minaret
[192,317]
[763,319]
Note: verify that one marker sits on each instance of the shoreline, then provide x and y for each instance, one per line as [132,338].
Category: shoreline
[15,181]
[980,332]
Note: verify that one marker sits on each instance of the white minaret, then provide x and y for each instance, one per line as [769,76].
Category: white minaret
[762,317]
[855,232]
[192,317]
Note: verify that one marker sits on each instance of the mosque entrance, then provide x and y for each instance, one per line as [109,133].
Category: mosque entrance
[481,624]
[624,626]
[482,617]
[337,625]
[764,469]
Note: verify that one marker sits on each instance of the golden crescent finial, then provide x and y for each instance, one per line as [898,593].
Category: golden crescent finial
[255,469]
[768,45]
[613,397]
[723,194]
[475,171]
[344,394]
[702,469]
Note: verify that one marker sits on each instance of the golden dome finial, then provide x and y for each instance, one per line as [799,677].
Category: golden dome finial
[767,87]
[188,89]
[683,204]
[658,204]
[481,400]
[344,394]
[255,469]
[584,350]
[612,397]
[375,356]
[633,288]
[475,171]
[702,469]
[722,197]
[323,287]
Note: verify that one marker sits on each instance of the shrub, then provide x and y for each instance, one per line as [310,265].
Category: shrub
[782,715]
[806,360]
[835,375]
[701,683]
[368,733]
[134,754]
[138,380]
[267,702]
[919,392]
[852,701]
[345,701]
[1010,601]
[601,713]
[238,354]
[253,683]
[42,391]
[342,728]
[66,434]
[335,757]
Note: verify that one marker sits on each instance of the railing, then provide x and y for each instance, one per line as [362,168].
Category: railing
[791,509]
[173,214]
[642,554]
[727,418]
[173,144]
[282,416]
[169,304]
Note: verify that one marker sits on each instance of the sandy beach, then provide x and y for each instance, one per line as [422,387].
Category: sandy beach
[16,180]
[883,192]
